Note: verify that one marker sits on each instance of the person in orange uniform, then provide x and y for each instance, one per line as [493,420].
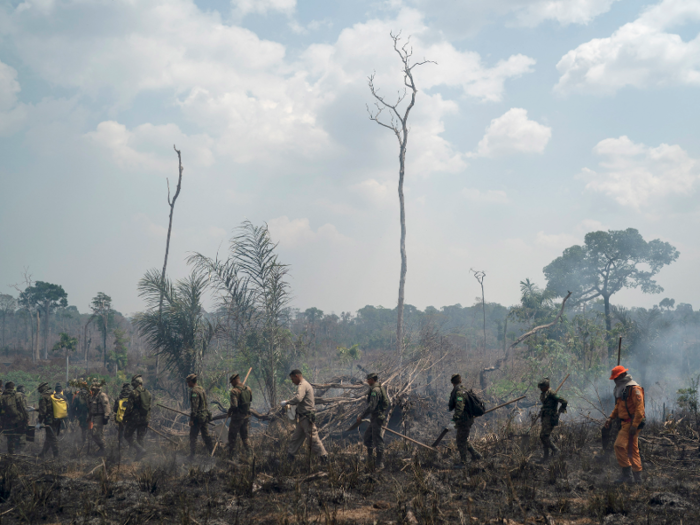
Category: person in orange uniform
[629,408]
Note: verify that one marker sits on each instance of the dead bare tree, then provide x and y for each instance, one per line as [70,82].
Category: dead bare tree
[479,276]
[171,203]
[398,124]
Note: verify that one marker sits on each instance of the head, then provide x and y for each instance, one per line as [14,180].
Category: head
[295,376]
[456,379]
[9,385]
[544,384]
[58,388]
[21,389]
[372,378]
[191,380]
[43,387]
[618,373]
[136,381]
[235,379]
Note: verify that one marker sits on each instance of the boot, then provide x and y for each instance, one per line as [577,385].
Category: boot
[461,463]
[379,463]
[324,460]
[638,477]
[625,477]
[555,450]
[370,458]
[545,456]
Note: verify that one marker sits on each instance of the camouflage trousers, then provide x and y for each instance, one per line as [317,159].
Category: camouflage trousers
[238,426]
[373,435]
[546,433]
[51,439]
[139,429]
[97,434]
[198,427]
[14,433]
[464,428]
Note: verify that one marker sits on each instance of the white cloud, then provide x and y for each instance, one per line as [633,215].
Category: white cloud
[511,133]
[149,148]
[642,53]
[245,7]
[378,193]
[565,12]
[635,174]
[12,114]
[298,232]
[556,240]
[490,196]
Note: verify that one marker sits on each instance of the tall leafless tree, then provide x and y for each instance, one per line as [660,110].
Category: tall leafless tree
[479,276]
[398,124]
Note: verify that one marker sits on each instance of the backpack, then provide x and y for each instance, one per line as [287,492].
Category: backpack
[245,400]
[383,403]
[9,408]
[473,405]
[145,402]
[121,404]
[60,407]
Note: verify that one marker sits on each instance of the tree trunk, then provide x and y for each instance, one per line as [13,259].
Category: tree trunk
[483,308]
[608,328]
[402,278]
[46,332]
[104,344]
[37,355]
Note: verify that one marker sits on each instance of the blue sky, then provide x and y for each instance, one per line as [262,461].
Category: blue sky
[541,121]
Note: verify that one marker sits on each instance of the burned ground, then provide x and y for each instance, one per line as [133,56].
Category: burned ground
[417,486]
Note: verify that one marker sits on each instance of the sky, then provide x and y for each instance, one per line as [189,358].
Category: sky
[540,121]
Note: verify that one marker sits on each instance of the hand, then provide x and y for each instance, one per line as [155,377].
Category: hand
[632,430]
[284,403]
[38,426]
[452,425]
[562,410]
[105,420]
[359,419]
[191,423]
[607,423]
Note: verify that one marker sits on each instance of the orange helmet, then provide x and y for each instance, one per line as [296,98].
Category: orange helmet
[617,371]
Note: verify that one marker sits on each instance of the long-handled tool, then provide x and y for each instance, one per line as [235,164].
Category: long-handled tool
[447,429]
[178,411]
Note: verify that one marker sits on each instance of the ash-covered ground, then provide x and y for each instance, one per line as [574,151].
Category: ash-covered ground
[418,486]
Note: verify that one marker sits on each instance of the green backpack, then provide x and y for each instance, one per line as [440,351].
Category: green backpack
[245,400]
[145,402]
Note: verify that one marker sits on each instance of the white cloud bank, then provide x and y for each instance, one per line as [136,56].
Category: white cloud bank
[489,196]
[512,133]
[635,174]
[643,53]
[298,232]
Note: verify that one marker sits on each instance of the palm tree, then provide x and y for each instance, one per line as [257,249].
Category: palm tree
[180,331]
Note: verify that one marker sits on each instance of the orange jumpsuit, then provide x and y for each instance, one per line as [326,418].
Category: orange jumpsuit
[631,412]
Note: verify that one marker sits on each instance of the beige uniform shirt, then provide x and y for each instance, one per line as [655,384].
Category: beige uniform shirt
[304,398]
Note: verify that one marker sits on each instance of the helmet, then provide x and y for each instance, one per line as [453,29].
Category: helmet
[544,383]
[617,371]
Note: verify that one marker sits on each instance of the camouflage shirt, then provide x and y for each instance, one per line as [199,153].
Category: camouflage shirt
[138,407]
[549,401]
[46,408]
[12,409]
[377,402]
[240,396]
[199,408]
[457,403]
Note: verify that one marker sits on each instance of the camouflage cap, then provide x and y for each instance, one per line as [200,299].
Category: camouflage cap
[20,388]
[191,378]
[543,383]
[456,378]
[372,375]
[95,384]
[9,385]
[126,385]
[233,376]
[137,379]
[42,386]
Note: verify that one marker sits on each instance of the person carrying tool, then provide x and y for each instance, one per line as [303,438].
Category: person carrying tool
[241,397]
[137,415]
[199,416]
[629,409]
[14,417]
[47,421]
[549,416]
[462,420]
[377,405]
[306,418]
[99,410]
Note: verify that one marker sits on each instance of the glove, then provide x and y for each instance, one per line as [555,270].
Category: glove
[451,425]
[284,403]
[105,420]
[38,426]
[632,430]
[607,423]
[191,423]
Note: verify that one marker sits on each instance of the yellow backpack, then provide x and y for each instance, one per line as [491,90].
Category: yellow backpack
[119,416]
[60,407]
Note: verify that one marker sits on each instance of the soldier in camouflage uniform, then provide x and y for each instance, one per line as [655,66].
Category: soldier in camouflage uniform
[137,415]
[22,395]
[550,416]
[14,417]
[199,416]
[81,408]
[241,397]
[47,420]
[377,405]
[462,421]
[99,416]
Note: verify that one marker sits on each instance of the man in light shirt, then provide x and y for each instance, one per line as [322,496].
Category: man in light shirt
[306,417]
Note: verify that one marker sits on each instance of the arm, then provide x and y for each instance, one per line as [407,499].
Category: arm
[459,407]
[234,401]
[299,396]
[372,405]
[563,402]
[451,405]
[105,405]
[637,401]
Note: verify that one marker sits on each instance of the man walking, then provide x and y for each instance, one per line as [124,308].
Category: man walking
[14,417]
[306,417]
[137,415]
[550,416]
[241,397]
[99,416]
[46,418]
[377,405]
[462,420]
[199,416]
[629,409]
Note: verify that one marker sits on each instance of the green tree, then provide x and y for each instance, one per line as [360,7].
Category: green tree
[606,263]
[103,317]
[179,330]
[67,344]
[7,307]
[118,356]
[44,297]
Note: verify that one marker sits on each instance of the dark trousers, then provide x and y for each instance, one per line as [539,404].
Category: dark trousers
[138,429]
[373,435]
[14,433]
[238,426]
[195,429]
[464,427]
[51,438]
